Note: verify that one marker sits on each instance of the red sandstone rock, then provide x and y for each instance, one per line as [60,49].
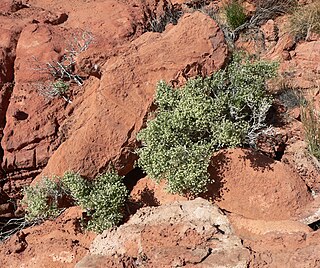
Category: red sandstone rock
[53,244]
[188,234]
[29,141]
[297,249]
[111,111]
[148,193]
[270,31]
[257,187]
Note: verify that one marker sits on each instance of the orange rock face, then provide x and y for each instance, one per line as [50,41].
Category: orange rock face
[51,244]
[257,187]
[148,193]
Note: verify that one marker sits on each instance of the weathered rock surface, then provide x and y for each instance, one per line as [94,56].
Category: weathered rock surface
[297,249]
[278,243]
[108,112]
[149,193]
[183,234]
[53,244]
[257,187]
[32,123]
[112,110]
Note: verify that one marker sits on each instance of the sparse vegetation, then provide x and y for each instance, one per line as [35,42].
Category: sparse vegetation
[158,24]
[311,124]
[235,15]
[57,89]
[102,199]
[42,200]
[270,9]
[63,70]
[306,20]
[227,109]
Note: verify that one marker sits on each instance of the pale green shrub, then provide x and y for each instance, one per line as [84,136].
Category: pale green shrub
[103,199]
[77,187]
[227,109]
[42,200]
[105,202]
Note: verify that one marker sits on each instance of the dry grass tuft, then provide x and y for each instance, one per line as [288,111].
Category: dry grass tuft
[306,20]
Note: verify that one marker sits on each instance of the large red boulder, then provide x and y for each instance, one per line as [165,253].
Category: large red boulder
[257,187]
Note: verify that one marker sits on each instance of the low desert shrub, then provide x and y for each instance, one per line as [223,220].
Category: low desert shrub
[270,9]
[105,202]
[305,20]
[76,187]
[235,14]
[56,89]
[102,199]
[42,200]
[227,109]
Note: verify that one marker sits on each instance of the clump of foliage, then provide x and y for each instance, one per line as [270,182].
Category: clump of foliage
[56,89]
[42,200]
[76,187]
[311,124]
[235,14]
[105,202]
[227,109]
[102,199]
[306,20]
[61,87]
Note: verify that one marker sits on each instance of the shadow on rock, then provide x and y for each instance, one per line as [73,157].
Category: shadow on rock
[219,163]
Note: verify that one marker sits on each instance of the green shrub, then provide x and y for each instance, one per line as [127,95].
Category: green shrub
[235,15]
[227,109]
[306,20]
[42,200]
[77,187]
[105,202]
[103,199]
[60,87]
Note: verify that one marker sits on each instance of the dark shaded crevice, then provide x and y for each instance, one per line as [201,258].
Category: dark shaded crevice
[7,78]
[18,5]
[132,178]
[279,152]
[196,4]
[61,19]
[155,22]
[315,225]
[6,92]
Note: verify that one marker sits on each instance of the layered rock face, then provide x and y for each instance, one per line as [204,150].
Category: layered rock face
[100,125]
